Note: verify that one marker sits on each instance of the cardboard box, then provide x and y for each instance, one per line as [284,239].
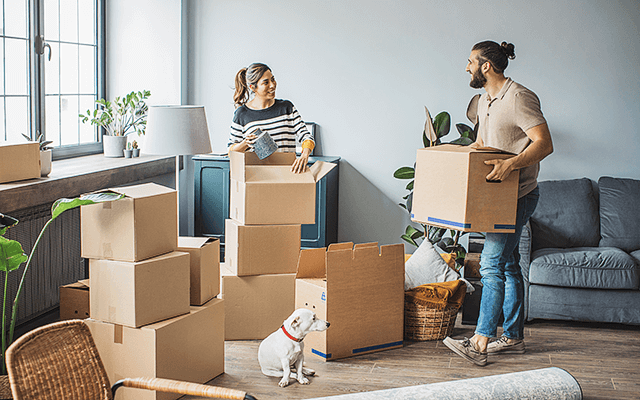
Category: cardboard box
[451,190]
[187,348]
[19,161]
[360,291]
[257,305]
[261,249]
[142,225]
[205,267]
[266,192]
[139,293]
[74,300]
[472,266]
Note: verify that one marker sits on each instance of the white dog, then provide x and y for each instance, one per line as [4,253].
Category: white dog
[284,348]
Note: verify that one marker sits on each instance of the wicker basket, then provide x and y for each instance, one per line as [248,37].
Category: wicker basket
[425,323]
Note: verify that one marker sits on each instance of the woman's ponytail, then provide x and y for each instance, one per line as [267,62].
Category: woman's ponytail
[241,95]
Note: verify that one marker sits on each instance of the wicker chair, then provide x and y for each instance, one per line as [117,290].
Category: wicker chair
[61,361]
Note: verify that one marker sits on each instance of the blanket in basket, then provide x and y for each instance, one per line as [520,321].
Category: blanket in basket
[438,295]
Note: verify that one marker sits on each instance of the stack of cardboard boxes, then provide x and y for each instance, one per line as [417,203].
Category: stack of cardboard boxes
[268,204]
[152,306]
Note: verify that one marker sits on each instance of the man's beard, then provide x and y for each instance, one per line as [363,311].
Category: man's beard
[478,80]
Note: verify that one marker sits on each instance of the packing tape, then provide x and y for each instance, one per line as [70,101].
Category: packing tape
[107,251]
[117,333]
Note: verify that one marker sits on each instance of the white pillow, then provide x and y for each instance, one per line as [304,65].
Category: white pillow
[426,265]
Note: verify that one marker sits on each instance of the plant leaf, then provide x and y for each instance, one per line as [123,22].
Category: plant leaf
[464,141]
[62,205]
[429,130]
[409,240]
[464,130]
[410,185]
[7,221]
[442,124]
[404,173]
[11,255]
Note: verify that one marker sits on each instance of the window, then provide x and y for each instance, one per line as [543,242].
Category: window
[47,83]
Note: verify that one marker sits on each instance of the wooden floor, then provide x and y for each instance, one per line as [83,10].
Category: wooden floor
[604,358]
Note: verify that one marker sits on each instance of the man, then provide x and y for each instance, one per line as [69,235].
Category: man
[510,119]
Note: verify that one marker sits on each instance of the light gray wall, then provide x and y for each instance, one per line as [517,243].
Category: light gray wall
[364,70]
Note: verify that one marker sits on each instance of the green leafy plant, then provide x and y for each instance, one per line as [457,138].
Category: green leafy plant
[122,116]
[434,131]
[44,144]
[12,255]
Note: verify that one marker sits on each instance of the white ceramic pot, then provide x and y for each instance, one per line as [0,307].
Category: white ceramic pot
[113,146]
[45,162]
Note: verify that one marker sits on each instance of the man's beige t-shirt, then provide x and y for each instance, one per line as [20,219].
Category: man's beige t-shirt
[503,122]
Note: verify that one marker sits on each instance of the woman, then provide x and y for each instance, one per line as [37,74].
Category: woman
[263,111]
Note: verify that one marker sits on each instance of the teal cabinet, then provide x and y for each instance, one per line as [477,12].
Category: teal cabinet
[212,202]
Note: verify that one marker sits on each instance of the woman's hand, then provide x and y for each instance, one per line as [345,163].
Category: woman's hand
[246,143]
[300,164]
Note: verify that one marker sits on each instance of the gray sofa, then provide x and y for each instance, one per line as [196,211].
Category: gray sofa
[580,252]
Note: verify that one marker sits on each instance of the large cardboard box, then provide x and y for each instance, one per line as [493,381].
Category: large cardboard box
[360,291]
[19,161]
[261,249]
[74,300]
[256,305]
[139,293]
[205,267]
[142,225]
[451,190]
[187,348]
[266,192]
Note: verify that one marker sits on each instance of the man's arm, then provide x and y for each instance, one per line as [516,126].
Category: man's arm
[541,146]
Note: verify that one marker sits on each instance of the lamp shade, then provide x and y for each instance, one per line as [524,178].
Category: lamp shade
[176,130]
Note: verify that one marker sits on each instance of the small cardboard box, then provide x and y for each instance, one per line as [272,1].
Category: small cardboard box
[74,300]
[139,293]
[451,190]
[261,249]
[205,267]
[257,305]
[266,192]
[19,161]
[360,291]
[187,348]
[142,225]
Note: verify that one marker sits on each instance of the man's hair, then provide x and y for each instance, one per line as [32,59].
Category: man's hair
[498,55]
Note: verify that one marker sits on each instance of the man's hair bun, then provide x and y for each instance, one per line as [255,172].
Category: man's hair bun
[509,49]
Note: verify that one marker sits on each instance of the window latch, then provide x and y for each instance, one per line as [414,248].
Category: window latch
[40,45]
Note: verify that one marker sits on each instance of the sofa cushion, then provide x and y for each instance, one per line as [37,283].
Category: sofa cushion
[636,255]
[619,213]
[566,215]
[585,267]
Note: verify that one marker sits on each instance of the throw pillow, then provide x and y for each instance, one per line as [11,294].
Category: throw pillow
[426,266]
[619,213]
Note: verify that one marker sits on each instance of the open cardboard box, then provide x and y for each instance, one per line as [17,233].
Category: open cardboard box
[186,348]
[261,249]
[205,267]
[359,290]
[451,190]
[74,300]
[266,192]
[19,161]
[256,305]
[139,293]
[142,225]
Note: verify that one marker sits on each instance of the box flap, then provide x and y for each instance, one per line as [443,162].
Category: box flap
[276,174]
[341,246]
[239,162]
[311,264]
[364,245]
[84,282]
[320,169]
[143,190]
[193,242]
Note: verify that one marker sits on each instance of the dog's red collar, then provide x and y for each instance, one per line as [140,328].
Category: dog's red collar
[289,335]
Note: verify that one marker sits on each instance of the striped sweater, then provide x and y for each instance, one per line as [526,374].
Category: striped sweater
[281,121]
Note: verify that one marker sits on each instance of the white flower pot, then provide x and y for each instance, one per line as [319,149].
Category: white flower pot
[113,146]
[45,162]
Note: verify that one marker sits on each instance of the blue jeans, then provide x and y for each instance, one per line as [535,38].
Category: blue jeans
[502,282]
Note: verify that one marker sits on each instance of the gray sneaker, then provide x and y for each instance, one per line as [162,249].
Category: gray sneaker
[466,349]
[502,346]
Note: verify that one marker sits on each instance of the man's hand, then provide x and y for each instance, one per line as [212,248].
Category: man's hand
[501,170]
[300,164]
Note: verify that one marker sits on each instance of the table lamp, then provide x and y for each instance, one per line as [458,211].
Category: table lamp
[176,131]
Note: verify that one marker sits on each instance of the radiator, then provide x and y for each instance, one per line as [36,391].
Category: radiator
[56,262]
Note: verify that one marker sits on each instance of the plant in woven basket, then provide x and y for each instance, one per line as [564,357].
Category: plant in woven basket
[12,256]
[434,131]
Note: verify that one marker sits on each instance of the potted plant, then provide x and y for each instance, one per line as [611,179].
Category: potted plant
[45,153]
[128,152]
[434,131]
[12,256]
[119,118]
[136,150]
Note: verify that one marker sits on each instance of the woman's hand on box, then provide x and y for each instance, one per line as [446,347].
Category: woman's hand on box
[300,164]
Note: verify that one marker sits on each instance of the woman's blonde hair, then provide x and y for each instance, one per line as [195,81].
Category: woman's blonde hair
[245,78]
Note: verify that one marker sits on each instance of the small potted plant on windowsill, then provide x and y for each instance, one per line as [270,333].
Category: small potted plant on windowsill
[45,154]
[119,118]
[135,149]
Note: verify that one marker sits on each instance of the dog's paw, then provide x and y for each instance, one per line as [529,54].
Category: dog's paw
[284,382]
[308,371]
[303,380]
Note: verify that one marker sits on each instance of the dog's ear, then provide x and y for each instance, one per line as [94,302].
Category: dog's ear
[295,322]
